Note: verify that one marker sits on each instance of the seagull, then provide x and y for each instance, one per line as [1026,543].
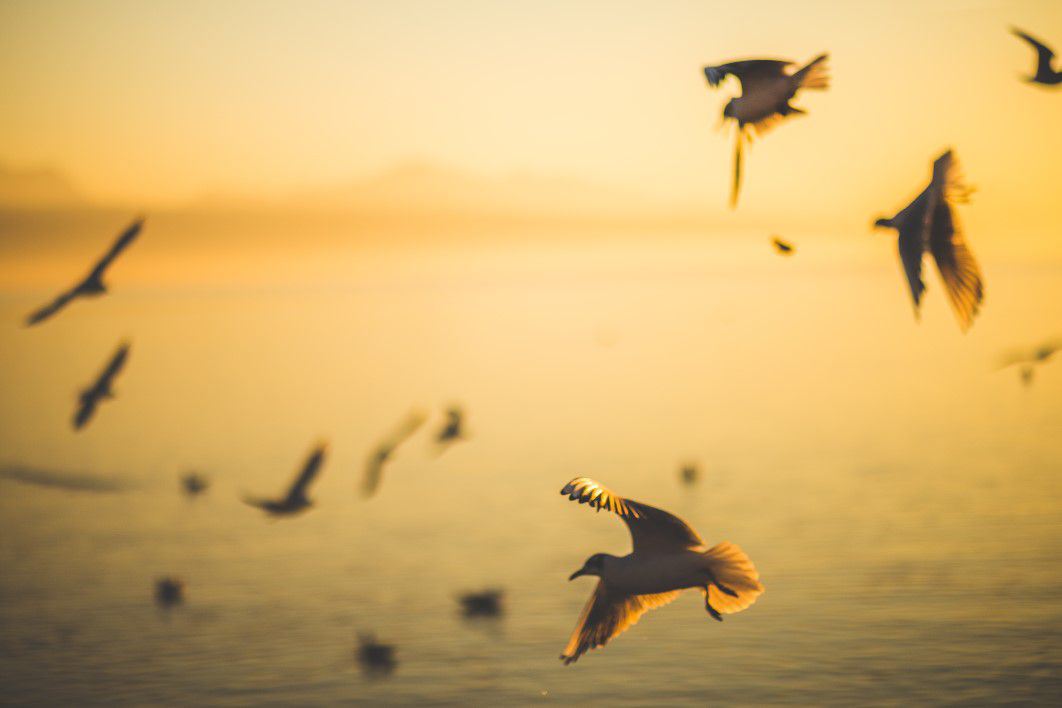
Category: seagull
[487,603]
[383,452]
[766,89]
[452,430]
[90,397]
[689,474]
[929,223]
[668,557]
[1030,359]
[374,656]
[1044,57]
[169,591]
[194,484]
[783,247]
[295,500]
[91,285]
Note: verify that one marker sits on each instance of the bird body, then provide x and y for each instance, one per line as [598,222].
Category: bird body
[668,557]
[102,389]
[783,247]
[1045,73]
[487,603]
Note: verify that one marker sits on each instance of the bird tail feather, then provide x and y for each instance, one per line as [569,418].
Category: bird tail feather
[734,571]
[814,75]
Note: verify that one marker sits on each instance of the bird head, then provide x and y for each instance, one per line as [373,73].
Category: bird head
[728,109]
[883,223]
[594,565]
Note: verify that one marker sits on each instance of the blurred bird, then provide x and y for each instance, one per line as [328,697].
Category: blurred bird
[689,474]
[1029,359]
[374,656]
[783,247]
[1045,74]
[91,285]
[90,397]
[295,500]
[487,603]
[766,89]
[929,223]
[169,591]
[668,557]
[452,430]
[374,467]
[194,484]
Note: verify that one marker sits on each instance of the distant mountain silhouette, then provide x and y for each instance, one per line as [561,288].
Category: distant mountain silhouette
[42,188]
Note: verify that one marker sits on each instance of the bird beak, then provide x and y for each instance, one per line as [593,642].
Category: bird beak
[576,574]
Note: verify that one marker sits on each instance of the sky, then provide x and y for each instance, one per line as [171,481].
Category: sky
[162,103]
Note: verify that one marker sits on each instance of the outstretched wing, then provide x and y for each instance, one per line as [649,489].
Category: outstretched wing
[957,266]
[652,530]
[120,244]
[374,466]
[85,410]
[1043,54]
[750,72]
[604,617]
[115,365]
[309,471]
[51,308]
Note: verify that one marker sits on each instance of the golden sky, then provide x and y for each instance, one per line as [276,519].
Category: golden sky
[162,102]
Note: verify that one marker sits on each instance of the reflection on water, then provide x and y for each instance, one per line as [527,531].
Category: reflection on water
[901,501]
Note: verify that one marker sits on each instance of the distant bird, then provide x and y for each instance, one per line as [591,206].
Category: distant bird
[295,500]
[169,591]
[90,397]
[194,484]
[783,247]
[689,474]
[374,656]
[487,603]
[1045,73]
[929,223]
[766,89]
[668,557]
[91,285]
[374,467]
[1029,359]
[453,430]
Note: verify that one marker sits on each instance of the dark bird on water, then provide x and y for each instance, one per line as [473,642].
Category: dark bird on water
[1045,73]
[102,389]
[194,484]
[783,247]
[487,603]
[766,88]
[295,500]
[689,474]
[668,557]
[374,656]
[91,285]
[1028,359]
[385,450]
[453,429]
[929,223]
[169,591]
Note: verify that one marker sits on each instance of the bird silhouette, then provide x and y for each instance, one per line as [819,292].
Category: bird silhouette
[689,474]
[1028,359]
[929,224]
[194,484]
[370,480]
[1045,73]
[90,398]
[783,247]
[668,557]
[486,603]
[453,429]
[295,500]
[766,89]
[169,591]
[91,285]
[374,656]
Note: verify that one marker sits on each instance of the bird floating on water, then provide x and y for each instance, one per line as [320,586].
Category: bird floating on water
[102,389]
[689,474]
[1029,359]
[668,557]
[374,656]
[91,285]
[385,450]
[487,603]
[1045,73]
[766,89]
[929,224]
[169,591]
[783,247]
[194,484]
[295,500]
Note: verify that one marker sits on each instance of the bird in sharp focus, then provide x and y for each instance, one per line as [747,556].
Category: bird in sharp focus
[295,500]
[783,247]
[385,450]
[92,284]
[667,557]
[929,223]
[1045,73]
[766,89]
[1028,359]
[102,389]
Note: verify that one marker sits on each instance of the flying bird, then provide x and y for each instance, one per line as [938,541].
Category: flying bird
[783,247]
[1029,359]
[668,557]
[689,474]
[91,285]
[194,484]
[385,450]
[487,603]
[452,430]
[295,500]
[766,89]
[1045,74]
[929,223]
[102,389]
